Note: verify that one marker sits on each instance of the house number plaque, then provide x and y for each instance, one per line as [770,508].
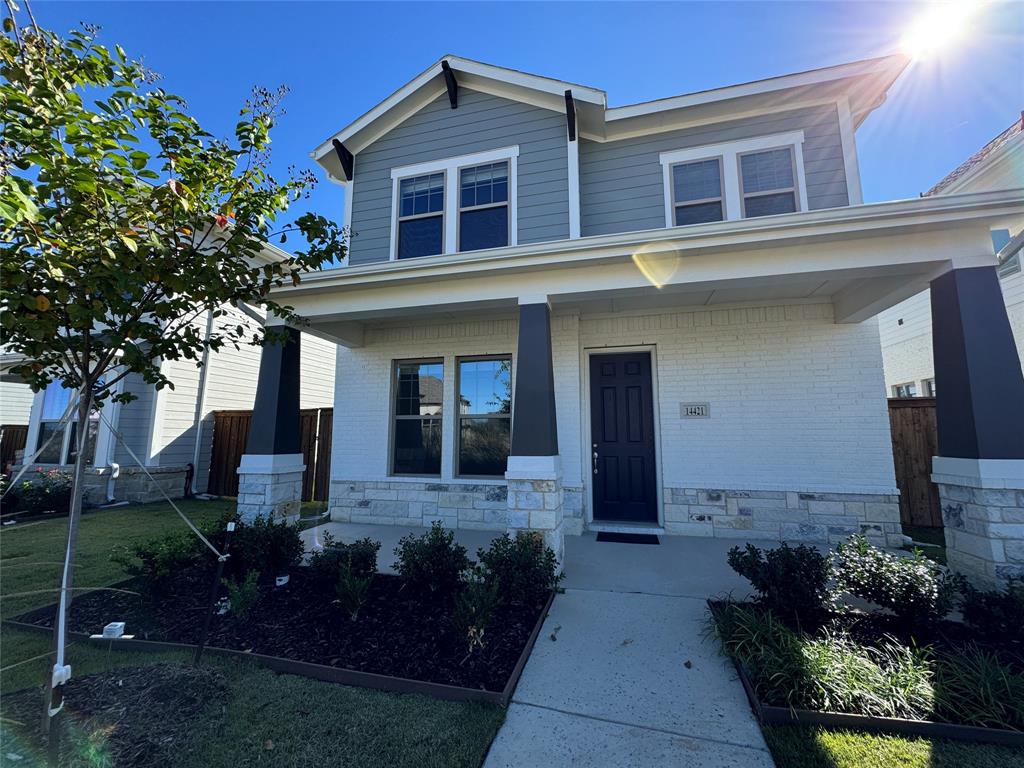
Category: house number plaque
[694,410]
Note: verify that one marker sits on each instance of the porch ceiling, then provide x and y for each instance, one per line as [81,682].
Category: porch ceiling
[863,259]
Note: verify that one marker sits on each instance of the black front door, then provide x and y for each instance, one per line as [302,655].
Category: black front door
[622,437]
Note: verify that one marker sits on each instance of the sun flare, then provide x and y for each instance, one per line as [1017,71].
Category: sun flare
[939,28]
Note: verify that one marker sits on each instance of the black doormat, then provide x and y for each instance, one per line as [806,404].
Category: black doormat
[628,538]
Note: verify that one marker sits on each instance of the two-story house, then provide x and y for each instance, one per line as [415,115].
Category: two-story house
[562,316]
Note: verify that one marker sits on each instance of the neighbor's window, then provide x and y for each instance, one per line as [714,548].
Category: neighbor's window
[64,447]
[768,182]
[421,216]
[485,416]
[928,385]
[905,390]
[697,192]
[483,206]
[416,437]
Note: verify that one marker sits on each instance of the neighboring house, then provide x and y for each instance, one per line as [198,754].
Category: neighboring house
[656,317]
[170,429]
[15,395]
[906,329]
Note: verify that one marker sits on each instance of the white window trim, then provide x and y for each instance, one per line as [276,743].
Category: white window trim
[451,167]
[730,152]
[104,437]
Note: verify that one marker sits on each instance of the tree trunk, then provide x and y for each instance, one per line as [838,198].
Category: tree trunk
[54,695]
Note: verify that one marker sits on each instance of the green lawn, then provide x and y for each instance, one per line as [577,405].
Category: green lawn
[800,747]
[923,535]
[303,722]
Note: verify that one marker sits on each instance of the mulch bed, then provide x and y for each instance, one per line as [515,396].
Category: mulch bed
[133,716]
[399,632]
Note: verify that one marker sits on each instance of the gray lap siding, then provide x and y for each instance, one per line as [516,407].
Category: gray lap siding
[621,182]
[482,122]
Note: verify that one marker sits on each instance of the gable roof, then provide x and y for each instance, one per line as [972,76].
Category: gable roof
[863,84]
[981,159]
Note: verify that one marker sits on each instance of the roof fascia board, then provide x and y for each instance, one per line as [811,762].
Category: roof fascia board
[517,83]
[865,220]
[769,85]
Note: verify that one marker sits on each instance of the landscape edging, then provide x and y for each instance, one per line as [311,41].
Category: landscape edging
[767,714]
[322,672]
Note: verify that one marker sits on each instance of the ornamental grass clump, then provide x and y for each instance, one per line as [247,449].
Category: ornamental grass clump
[830,673]
[996,614]
[917,590]
[975,687]
[792,581]
[243,593]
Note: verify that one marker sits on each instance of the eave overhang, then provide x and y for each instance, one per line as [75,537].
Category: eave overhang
[983,210]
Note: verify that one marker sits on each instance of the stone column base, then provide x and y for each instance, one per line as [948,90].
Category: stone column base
[535,500]
[269,486]
[982,503]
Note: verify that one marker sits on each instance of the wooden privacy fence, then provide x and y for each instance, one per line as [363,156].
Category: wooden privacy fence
[231,433]
[12,440]
[914,443]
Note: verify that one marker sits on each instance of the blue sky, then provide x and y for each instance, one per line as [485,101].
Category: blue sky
[340,59]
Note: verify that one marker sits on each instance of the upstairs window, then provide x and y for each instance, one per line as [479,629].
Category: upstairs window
[421,216]
[697,192]
[746,178]
[483,206]
[769,182]
[455,204]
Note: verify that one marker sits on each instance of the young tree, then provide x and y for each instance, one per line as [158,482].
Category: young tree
[123,222]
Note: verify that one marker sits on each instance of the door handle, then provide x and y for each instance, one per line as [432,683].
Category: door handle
[595,458]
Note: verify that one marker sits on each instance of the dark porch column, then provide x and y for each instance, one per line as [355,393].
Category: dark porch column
[275,417]
[979,471]
[980,389]
[534,431]
[270,472]
[534,474]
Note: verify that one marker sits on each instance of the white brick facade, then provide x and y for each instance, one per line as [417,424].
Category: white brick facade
[795,402]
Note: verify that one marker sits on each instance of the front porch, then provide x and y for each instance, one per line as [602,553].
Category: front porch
[757,407]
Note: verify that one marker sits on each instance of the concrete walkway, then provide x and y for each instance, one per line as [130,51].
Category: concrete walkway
[621,674]
[629,679]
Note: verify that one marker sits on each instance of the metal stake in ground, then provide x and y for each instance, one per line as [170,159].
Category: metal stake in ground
[214,590]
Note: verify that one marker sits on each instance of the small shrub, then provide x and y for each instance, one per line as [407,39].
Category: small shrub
[995,614]
[524,568]
[158,560]
[916,589]
[265,544]
[352,588]
[474,608]
[792,581]
[975,687]
[433,561]
[49,490]
[242,594]
[326,564]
